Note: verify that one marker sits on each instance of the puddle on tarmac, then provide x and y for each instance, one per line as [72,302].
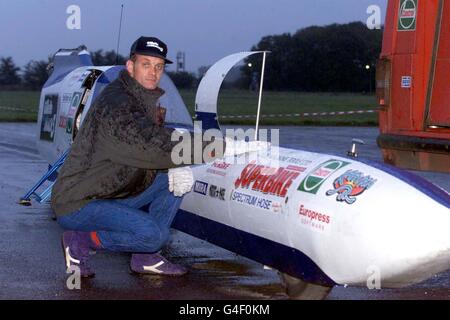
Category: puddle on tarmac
[223,266]
[240,279]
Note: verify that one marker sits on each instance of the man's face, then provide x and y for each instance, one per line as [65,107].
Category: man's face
[146,70]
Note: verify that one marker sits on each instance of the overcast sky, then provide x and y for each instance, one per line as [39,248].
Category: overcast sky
[206,30]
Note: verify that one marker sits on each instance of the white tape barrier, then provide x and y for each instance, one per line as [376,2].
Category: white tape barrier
[306,114]
[13,108]
[285,115]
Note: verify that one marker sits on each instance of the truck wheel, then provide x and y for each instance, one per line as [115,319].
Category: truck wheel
[298,289]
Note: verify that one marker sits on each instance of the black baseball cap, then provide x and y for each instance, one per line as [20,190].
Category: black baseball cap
[150,46]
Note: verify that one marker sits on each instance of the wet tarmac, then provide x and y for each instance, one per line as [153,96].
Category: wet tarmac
[31,260]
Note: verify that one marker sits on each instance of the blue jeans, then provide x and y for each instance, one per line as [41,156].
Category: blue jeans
[122,226]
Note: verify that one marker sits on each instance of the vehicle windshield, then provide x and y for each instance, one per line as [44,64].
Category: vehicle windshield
[176,111]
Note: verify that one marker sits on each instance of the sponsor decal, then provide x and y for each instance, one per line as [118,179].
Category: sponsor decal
[349,185]
[217,192]
[314,180]
[75,99]
[66,98]
[406,82]
[296,168]
[74,103]
[219,168]
[268,180]
[276,206]
[407,15]
[200,187]
[69,126]
[48,123]
[221,165]
[296,161]
[62,122]
[72,111]
[313,218]
[251,200]
[216,172]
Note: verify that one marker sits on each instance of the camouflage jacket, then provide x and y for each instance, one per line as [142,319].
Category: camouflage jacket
[118,149]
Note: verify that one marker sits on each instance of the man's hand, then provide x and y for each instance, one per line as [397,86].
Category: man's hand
[180,180]
[234,147]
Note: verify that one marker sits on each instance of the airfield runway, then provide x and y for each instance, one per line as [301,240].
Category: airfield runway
[32,261]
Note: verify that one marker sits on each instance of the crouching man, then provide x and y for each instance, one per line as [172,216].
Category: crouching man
[118,165]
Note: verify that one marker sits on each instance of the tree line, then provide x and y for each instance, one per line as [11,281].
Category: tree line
[36,72]
[337,57]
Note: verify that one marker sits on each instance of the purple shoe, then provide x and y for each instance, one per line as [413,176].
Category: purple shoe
[76,247]
[154,263]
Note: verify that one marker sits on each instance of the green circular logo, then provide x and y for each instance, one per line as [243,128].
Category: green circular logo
[407,14]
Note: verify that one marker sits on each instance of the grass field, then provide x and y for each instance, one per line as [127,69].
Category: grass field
[19,105]
[23,106]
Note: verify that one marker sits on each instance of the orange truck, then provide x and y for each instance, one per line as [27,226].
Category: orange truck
[413,85]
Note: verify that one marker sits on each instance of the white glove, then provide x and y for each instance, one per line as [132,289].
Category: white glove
[234,147]
[180,180]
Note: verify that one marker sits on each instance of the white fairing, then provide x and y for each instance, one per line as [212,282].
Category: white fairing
[208,89]
[391,229]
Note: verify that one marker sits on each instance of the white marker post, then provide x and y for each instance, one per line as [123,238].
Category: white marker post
[260,93]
